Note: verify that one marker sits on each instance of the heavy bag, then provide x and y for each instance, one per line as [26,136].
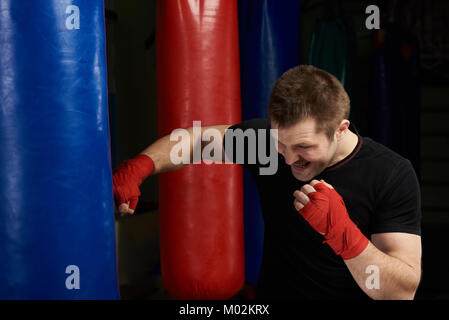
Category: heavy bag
[269,45]
[200,205]
[57,238]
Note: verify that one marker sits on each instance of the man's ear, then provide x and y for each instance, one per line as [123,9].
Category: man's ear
[342,129]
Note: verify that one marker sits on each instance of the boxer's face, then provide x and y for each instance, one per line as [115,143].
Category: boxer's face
[307,152]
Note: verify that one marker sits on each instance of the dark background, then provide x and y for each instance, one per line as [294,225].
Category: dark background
[132,86]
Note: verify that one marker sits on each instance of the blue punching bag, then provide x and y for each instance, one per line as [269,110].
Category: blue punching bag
[57,238]
[269,33]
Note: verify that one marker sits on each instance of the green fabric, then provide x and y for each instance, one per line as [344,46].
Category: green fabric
[332,47]
[328,49]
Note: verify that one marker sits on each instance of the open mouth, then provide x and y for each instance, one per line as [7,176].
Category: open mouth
[301,165]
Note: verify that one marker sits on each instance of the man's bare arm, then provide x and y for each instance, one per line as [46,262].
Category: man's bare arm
[397,259]
[159,152]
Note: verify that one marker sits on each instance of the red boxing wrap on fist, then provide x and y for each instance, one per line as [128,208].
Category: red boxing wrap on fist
[331,218]
[316,211]
[127,178]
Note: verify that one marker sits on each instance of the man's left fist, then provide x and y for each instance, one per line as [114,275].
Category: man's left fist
[324,209]
[313,204]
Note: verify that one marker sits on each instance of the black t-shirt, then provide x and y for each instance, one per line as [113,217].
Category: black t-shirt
[381,193]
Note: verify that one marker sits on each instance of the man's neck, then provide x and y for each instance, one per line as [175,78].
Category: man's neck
[345,147]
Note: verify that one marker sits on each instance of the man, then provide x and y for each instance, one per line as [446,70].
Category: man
[342,212]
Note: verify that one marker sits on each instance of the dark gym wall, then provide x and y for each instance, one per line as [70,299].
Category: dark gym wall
[131,68]
[135,79]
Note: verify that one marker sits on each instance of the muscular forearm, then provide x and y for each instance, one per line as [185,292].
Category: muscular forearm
[161,156]
[393,257]
[397,280]
[159,151]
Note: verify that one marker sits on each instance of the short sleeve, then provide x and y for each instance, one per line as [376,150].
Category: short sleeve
[250,144]
[398,207]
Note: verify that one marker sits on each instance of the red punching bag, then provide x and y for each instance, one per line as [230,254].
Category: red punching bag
[200,206]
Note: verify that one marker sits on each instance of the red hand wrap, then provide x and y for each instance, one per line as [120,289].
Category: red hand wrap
[316,210]
[341,233]
[127,178]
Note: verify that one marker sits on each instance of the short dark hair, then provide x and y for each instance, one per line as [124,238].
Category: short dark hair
[309,92]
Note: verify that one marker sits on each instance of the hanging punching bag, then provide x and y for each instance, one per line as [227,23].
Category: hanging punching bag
[269,45]
[333,44]
[57,238]
[200,206]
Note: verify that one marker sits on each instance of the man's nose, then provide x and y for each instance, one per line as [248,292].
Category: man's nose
[290,157]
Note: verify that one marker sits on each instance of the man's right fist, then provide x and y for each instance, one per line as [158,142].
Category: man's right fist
[127,178]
